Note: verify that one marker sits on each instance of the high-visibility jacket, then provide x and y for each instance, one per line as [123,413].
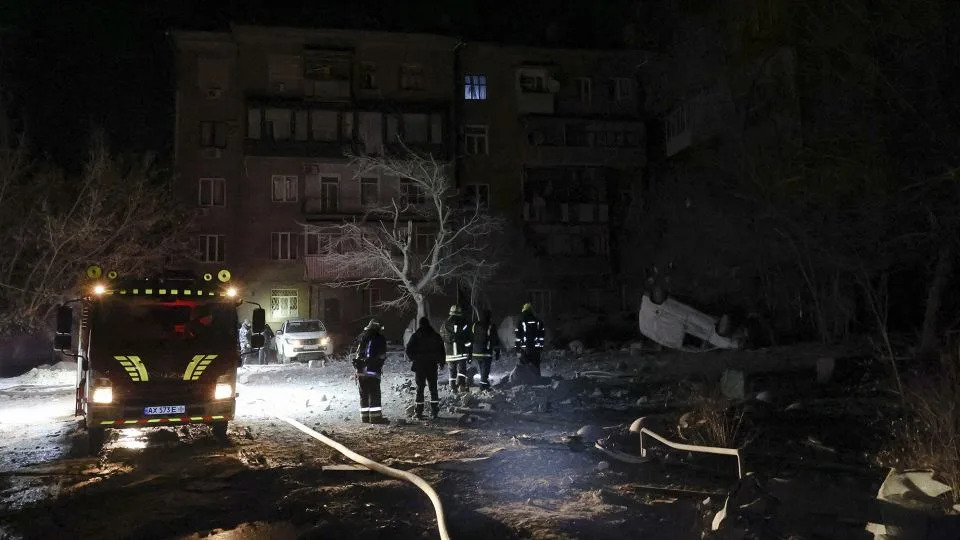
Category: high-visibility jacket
[484,339]
[457,339]
[529,333]
[371,354]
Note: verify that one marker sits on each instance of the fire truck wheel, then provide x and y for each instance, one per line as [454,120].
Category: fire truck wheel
[95,438]
[219,431]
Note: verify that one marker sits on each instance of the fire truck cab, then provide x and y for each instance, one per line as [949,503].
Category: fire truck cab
[153,352]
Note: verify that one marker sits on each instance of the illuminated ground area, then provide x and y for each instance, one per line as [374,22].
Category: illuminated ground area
[269,481]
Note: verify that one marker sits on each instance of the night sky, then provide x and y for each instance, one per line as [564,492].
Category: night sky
[71,66]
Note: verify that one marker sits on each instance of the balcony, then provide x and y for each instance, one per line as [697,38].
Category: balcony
[314,269]
[575,141]
[293,148]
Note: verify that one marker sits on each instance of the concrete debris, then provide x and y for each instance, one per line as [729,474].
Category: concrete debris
[576,347]
[913,503]
[795,406]
[590,433]
[603,465]
[765,396]
[733,384]
[642,400]
[323,397]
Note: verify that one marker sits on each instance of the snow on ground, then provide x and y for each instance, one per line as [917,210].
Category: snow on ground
[59,374]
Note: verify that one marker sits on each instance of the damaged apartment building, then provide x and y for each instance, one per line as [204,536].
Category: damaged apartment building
[552,140]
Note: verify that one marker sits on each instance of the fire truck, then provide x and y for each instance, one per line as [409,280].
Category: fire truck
[155,352]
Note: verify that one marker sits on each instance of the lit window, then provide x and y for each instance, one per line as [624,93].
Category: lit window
[212,192]
[284,304]
[475,87]
[284,188]
[475,140]
[211,247]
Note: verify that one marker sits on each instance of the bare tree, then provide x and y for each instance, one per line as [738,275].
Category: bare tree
[419,241]
[119,215]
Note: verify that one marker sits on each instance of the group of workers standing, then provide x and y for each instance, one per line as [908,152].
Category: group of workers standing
[456,345]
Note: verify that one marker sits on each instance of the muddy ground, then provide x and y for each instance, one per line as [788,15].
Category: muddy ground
[536,481]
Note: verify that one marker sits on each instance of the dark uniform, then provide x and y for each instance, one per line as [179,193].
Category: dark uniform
[457,342]
[425,349]
[485,342]
[369,359]
[529,338]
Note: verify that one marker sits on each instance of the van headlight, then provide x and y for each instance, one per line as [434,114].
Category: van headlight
[224,389]
[103,394]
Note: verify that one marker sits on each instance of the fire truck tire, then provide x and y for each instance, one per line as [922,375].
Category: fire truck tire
[95,439]
[219,431]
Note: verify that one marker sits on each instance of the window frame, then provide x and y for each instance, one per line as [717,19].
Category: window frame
[472,198]
[219,240]
[585,90]
[404,191]
[474,87]
[324,202]
[366,180]
[411,77]
[285,178]
[278,295]
[476,136]
[214,183]
[277,240]
[216,128]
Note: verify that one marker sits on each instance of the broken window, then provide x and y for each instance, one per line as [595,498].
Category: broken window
[371,131]
[532,80]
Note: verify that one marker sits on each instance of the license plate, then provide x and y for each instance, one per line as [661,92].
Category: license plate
[311,347]
[166,409]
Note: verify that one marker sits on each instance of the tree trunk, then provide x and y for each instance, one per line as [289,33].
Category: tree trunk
[929,338]
[422,308]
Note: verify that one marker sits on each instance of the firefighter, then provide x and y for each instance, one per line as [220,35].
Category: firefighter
[425,349]
[456,340]
[529,336]
[485,345]
[368,360]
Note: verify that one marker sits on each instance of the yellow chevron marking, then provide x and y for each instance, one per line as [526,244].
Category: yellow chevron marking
[197,365]
[134,367]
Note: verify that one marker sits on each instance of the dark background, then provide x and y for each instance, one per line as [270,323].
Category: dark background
[71,66]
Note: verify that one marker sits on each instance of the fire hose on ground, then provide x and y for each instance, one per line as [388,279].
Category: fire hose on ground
[382,469]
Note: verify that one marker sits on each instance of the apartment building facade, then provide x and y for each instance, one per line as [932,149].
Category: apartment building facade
[266,117]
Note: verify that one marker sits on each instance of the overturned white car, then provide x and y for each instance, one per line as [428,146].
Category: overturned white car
[679,326]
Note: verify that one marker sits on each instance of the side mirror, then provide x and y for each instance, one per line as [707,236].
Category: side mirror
[259,320]
[278,333]
[256,341]
[63,340]
[64,320]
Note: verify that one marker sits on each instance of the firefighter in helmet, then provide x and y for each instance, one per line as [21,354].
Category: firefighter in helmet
[529,338]
[457,342]
[368,361]
[485,345]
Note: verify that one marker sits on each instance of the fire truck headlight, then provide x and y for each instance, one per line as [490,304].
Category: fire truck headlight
[231,292]
[223,391]
[103,394]
[99,289]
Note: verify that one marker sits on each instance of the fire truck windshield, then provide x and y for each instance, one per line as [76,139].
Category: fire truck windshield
[142,321]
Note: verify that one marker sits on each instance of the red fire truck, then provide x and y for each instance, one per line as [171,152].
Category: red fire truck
[154,352]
